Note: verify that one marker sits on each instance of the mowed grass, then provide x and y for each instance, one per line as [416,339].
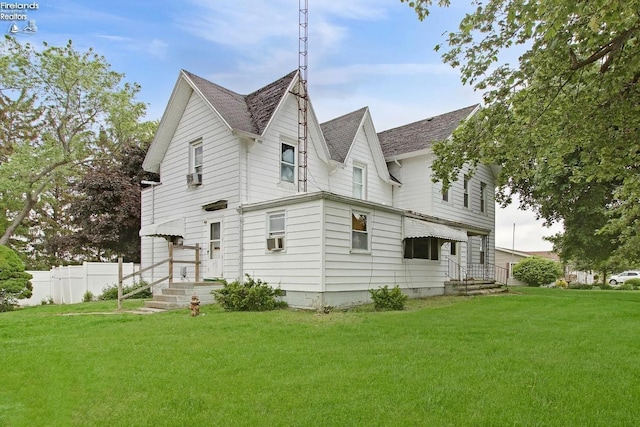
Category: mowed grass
[533,357]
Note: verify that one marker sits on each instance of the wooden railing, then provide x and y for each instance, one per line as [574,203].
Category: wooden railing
[170,261]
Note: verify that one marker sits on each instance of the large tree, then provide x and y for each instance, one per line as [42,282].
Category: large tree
[562,120]
[56,102]
[106,211]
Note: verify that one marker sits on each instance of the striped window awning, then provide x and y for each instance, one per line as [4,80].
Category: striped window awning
[416,228]
[173,227]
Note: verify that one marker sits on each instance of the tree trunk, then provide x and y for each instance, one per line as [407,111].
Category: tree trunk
[28,205]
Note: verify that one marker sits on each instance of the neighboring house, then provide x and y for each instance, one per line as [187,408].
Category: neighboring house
[371,216]
[507,258]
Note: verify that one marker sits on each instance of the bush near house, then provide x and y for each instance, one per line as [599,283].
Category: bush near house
[537,271]
[252,295]
[14,281]
[386,299]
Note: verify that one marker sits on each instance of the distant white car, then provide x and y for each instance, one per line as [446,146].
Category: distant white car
[622,277]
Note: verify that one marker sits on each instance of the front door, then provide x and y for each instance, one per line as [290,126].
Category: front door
[213,260]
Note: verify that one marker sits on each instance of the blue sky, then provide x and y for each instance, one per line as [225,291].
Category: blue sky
[373,53]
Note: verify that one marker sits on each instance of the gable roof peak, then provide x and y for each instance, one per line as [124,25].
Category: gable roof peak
[250,113]
[339,133]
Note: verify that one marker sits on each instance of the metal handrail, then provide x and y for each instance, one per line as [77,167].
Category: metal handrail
[494,272]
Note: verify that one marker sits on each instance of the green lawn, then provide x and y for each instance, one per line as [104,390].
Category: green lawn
[534,357]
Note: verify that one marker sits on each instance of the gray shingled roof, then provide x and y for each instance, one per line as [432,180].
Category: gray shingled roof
[249,113]
[340,133]
[420,135]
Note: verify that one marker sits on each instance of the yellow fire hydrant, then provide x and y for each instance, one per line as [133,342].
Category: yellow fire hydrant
[194,305]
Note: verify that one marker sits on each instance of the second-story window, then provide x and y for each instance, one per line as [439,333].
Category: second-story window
[287,162]
[445,195]
[196,158]
[359,182]
[483,197]
[466,191]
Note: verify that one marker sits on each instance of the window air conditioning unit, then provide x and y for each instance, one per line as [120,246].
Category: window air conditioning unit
[194,179]
[275,243]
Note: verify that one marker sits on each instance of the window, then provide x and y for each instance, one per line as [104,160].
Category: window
[196,158]
[445,195]
[453,248]
[287,162]
[511,264]
[276,224]
[483,249]
[483,198]
[466,191]
[359,182]
[359,232]
[422,248]
[215,239]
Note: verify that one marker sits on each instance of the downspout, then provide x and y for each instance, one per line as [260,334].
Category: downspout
[240,245]
[323,260]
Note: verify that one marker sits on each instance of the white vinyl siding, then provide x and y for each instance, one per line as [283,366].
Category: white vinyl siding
[297,268]
[174,200]
[342,181]
[383,264]
[262,163]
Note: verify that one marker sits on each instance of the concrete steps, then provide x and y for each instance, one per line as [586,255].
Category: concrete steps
[179,295]
[473,287]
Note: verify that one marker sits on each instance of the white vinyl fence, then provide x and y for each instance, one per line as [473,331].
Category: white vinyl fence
[68,284]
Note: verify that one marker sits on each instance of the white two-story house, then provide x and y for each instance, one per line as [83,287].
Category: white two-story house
[370,216]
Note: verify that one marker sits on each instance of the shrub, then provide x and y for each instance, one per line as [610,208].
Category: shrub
[605,287]
[537,271]
[625,287]
[561,283]
[386,299]
[14,281]
[580,286]
[635,283]
[111,292]
[252,295]
[88,296]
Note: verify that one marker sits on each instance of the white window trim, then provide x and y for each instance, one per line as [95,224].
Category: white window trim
[368,232]
[465,191]
[192,157]
[483,198]
[277,233]
[292,143]
[363,184]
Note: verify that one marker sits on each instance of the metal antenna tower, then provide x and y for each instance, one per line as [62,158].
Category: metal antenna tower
[303,97]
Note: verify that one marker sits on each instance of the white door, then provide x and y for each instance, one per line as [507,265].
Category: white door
[213,259]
